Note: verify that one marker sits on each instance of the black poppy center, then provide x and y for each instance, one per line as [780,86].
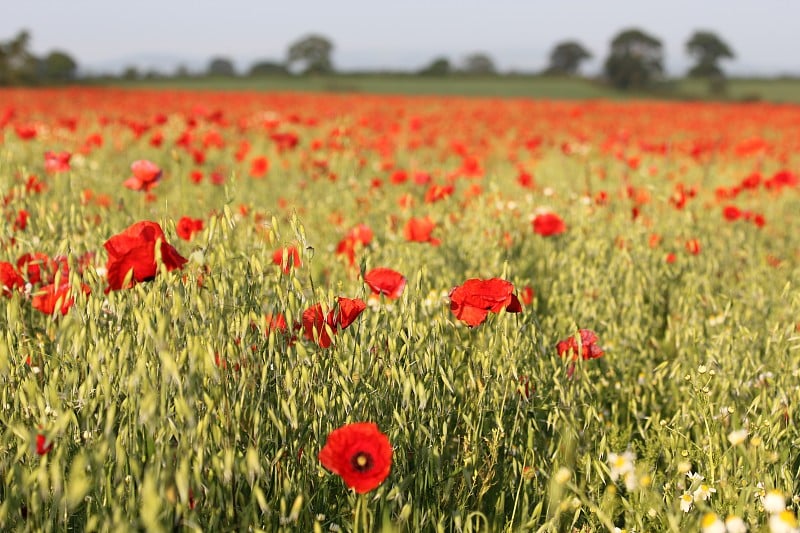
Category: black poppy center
[362,461]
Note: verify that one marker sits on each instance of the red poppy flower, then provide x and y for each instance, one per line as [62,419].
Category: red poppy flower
[731,213]
[360,454]
[346,312]
[22,220]
[56,161]
[50,300]
[187,227]
[314,322]
[528,294]
[134,251]
[588,348]
[276,323]
[385,281]
[40,268]
[693,246]
[42,445]
[419,230]
[473,300]
[357,237]
[289,261]
[146,175]
[259,167]
[9,279]
[547,224]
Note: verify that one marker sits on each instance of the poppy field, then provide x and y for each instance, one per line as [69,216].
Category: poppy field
[228,311]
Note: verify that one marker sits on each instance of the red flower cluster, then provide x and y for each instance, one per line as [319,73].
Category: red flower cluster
[360,454]
[472,301]
[344,314]
[385,281]
[588,348]
[146,175]
[134,252]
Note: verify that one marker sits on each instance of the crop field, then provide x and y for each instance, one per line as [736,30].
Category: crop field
[243,311]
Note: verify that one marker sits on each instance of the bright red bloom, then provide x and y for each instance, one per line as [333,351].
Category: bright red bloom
[472,301]
[314,322]
[547,224]
[357,237]
[731,213]
[588,348]
[187,227]
[528,294]
[276,323]
[56,161]
[693,246]
[436,193]
[347,311]
[50,300]
[385,281]
[22,220]
[134,251]
[259,167]
[40,268]
[291,260]
[360,454]
[419,230]
[146,175]
[9,279]
[42,445]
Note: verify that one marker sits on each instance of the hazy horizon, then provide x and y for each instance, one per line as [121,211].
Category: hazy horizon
[107,37]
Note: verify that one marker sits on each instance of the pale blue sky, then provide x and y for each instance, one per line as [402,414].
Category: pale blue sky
[518,34]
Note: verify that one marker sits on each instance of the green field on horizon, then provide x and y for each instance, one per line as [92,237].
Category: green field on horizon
[780,90]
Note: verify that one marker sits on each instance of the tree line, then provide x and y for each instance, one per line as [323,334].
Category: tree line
[635,61]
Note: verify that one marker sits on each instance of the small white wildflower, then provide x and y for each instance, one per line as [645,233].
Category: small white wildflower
[563,475]
[548,191]
[620,464]
[711,523]
[734,524]
[686,502]
[631,482]
[703,492]
[774,502]
[702,369]
[783,522]
[694,476]
[737,437]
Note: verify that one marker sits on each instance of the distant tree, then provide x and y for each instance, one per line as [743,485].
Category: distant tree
[221,66]
[268,68]
[130,73]
[635,61]
[17,64]
[181,71]
[59,66]
[313,52]
[479,63]
[707,49]
[566,58]
[440,66]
